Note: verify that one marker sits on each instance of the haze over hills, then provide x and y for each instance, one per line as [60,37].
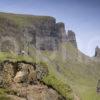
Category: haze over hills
[38,46]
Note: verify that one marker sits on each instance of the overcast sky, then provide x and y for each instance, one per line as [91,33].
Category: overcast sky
[81,16]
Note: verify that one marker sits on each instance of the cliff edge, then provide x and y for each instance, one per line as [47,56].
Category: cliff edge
[23,32]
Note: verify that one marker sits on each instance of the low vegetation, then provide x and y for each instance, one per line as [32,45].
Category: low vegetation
[3,94]
[14,57]
[68,77]
[50,79]
[59,86]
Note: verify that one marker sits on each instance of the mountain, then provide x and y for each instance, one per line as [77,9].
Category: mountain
[38,54]
[42,32]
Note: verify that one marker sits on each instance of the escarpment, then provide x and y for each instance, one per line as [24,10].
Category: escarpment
[23,32]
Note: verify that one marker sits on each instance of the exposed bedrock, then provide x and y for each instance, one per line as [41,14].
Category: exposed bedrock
[23,82]
[23,32]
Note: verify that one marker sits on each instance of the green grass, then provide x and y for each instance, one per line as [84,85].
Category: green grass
[14,57]
[59,86]
[67,74]
[70,72]
[21,20]
[76,70]
[90,94]
[51,80]
[3,95]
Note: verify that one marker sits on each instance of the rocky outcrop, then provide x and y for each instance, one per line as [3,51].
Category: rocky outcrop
[34,92]
[61,32]
[24,81]
[46,36]
[26,32]
[20,72]
[97,52]
[71,38]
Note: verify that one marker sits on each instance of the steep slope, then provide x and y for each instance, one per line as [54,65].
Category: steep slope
[17,74]
[79,71]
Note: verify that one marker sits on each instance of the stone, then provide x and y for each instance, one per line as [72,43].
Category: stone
[19,78]
[34,92]
[61,32]
[71,38]
[21,72]
[7,74]
[97,52]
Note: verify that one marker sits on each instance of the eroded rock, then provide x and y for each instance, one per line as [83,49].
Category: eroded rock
[71,38]
[23,80]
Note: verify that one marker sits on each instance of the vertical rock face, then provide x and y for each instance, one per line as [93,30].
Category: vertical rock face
[22,33]
[97,52]
[46,36]
[71,38]
[61,32]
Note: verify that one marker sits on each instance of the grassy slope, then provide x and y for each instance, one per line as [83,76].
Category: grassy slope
[22,20]
[51,80]
[3,94]
[67,70]
[82,75]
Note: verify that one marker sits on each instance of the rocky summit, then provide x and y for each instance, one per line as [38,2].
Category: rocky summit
[40,60]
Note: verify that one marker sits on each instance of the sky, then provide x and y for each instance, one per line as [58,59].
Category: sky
[81,16]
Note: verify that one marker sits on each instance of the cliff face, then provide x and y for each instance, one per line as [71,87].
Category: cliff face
[22,33]
[71,38]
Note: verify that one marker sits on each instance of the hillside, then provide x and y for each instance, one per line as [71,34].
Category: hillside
[41,41]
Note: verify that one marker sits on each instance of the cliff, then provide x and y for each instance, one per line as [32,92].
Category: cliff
[23,32]
[71,38]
